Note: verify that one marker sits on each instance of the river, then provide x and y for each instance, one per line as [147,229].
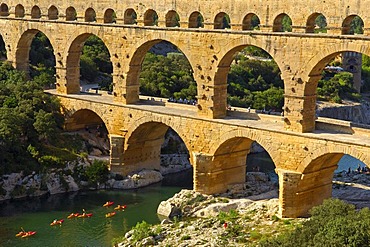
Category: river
[37,213]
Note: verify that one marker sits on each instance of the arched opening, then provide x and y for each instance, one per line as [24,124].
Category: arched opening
[53,13]
[196,20]
[35,56]
[222,21]
[156,146]
[349,179]
[35,12]
[253,82]
[353,24]
[251,22]
[88,65]
[150,18]
[90,15]
[242,166]
[282,23]
[19,11]
[316,23]
[331,174]
[165,73]
[341,88]
[71,14]
[110,16]
[130,17]
[172,19]
[92,129]
[42,61]
[4,10]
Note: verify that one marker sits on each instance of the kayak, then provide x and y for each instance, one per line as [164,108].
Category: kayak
[26,234]
[73,215]
[56,222]
[108,204]
[120,207]
[108,215]
[84,215]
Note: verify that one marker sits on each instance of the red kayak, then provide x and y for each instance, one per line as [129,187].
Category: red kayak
[73,215]
[25,234]
[108,204]
[56,222]
[108,215]
[84,215]
[120,207]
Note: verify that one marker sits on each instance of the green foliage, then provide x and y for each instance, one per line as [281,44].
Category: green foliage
[231,216]
[357,26]
[167,76]
[141,230]
[287,24]
[255,83]
[337,88]
[97,172]
[334,223]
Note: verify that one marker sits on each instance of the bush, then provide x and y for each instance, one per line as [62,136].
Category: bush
[141,230]
[97,172]
[334,223]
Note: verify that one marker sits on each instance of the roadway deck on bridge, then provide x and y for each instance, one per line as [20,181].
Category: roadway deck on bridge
[236,118]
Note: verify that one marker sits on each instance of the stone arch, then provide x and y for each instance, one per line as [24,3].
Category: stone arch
[19,11]
[249,22]
[328,157]
[222,21]
[83,119]
[311,22]
[109,16]
[130,17]
[71,14]
[150,18]
[53,13]
[143,144]
[346,25]
[74,49]
[278,23]
[173,123]
[314,180]
[35,12]
[4,10]
[23,48]
[196,20]
[134,66]
[90,15]
[250,137]
[172,19]
[223,68]
[316,65]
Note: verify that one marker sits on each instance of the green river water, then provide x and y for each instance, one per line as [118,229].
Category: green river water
[37,213]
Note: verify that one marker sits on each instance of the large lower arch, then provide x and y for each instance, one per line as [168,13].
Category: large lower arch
[312,182]
[83,119]
[131,94]
[226,164]
[143,146]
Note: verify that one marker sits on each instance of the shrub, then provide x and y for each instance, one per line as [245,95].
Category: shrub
[334,223]
[97,172]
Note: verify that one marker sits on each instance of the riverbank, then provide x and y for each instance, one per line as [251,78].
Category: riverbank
[224,220]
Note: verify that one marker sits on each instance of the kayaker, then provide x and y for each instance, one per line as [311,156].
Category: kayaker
[84,212]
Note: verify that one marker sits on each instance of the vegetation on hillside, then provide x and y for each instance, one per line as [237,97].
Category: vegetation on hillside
[334,223]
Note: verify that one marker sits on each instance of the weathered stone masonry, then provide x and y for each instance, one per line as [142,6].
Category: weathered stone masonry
[304,162]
